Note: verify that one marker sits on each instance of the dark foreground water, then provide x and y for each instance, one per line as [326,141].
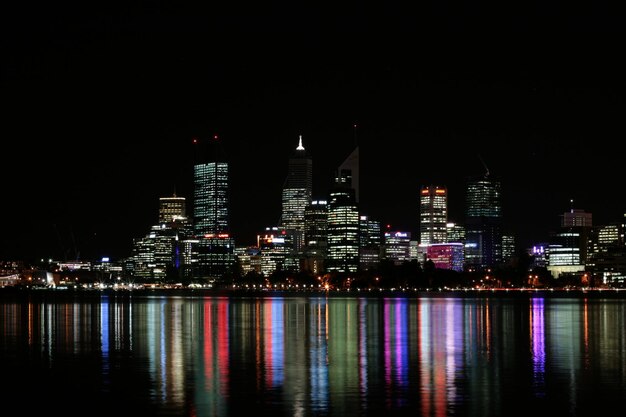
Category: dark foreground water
[312,356]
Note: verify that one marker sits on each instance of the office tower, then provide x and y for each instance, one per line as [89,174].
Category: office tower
[567,251]
[483,222]
[343,217]
[606,258]
[348,173]
[296,195]
[315,236]
[369,243]
[578,222]
[397,247]
[433,214]
[508,247]
[455,233]
[343,229]
[210,194]
[275,246]
[160,254]
[171,208]
[215,247]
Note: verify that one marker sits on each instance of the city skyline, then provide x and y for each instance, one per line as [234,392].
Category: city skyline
[457,195]
[101,107]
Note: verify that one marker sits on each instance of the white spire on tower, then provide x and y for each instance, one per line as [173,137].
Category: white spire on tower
[300,147]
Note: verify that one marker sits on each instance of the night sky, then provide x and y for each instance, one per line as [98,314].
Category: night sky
[100,103]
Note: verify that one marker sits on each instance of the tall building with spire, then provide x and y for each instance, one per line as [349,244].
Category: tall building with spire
[214,253]
[296,195]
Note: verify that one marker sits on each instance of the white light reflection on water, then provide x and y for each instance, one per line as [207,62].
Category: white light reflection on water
[324,356]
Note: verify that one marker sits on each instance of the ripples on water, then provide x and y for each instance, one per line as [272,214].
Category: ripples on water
[312,356]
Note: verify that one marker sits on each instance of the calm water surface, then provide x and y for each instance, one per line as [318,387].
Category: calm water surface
[312,356]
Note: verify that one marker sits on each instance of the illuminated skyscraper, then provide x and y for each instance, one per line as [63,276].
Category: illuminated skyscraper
[483,222]
[296,195]
[369,243]
[315,236]
[171,209]
[343,230]
[160,254]
[433,214]
[215,247]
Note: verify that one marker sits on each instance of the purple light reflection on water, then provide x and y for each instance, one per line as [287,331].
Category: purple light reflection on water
[537,335]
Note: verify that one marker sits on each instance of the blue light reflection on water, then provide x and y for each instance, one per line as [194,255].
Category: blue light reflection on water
[327,356]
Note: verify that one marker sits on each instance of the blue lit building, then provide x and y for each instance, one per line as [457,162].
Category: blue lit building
[214,253]
[483,222]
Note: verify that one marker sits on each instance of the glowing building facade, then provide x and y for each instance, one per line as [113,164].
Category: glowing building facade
[447,256]
[171,209]
[397,247]
[369,243]
[483,222]
[315,236]
[215,247]
[296,195]
[433,214]
[343,231]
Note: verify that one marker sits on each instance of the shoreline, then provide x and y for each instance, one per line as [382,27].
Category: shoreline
[7,292]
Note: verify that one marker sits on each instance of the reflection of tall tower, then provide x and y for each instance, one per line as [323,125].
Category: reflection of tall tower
[296,195]
[215,250]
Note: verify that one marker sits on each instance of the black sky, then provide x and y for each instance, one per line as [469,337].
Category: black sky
[100,102]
